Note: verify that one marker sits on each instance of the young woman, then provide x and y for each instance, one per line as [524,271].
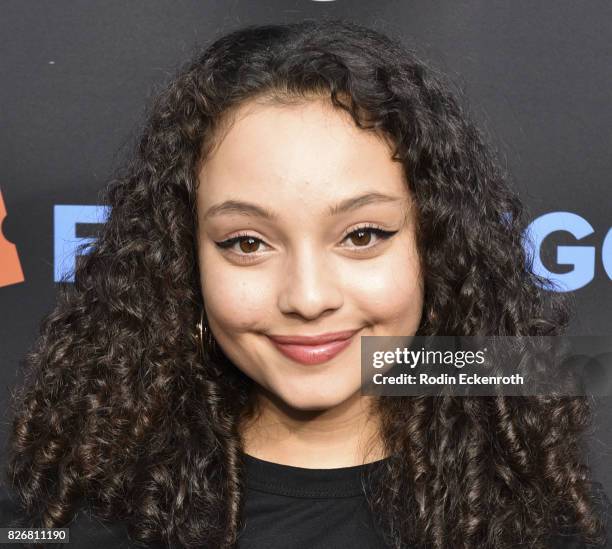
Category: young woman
[297,187]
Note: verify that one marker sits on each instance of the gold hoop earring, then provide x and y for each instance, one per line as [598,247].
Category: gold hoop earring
[204,335]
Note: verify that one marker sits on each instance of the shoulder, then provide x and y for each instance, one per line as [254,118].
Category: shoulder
[85,530]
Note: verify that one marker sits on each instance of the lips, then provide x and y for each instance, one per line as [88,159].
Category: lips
[313,349]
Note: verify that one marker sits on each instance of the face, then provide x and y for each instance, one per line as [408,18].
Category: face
[305,227]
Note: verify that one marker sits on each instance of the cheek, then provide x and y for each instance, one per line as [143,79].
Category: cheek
[390,290]
[237,299]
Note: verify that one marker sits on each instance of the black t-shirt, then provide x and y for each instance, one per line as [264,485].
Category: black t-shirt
[285,508]
[299,508]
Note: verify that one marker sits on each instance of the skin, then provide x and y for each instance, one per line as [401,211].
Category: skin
[305,274]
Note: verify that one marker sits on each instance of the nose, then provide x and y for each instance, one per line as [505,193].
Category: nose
[310,287]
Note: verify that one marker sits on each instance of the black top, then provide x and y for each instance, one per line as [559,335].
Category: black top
[285,508]
[299,508]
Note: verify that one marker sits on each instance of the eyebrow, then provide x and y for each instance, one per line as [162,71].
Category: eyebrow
[250,209]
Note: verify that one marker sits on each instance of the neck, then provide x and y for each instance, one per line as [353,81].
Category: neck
[342,436]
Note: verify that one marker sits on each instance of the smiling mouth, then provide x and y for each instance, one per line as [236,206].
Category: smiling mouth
[313,350]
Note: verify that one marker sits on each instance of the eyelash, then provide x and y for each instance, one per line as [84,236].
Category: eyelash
[381,233]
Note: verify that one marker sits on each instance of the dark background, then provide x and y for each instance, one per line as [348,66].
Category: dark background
[76,77]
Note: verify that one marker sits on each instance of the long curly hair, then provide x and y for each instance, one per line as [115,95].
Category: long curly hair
[122,410]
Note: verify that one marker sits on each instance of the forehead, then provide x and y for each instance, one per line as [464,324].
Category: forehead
[306,151]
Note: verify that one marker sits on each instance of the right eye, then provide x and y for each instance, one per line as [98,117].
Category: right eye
[247,244]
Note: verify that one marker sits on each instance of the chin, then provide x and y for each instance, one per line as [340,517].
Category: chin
[312,405]
[311,400]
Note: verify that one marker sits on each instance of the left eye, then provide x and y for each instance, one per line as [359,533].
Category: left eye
[362,237]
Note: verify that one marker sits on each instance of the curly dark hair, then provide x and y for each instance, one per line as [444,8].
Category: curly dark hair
[121,410]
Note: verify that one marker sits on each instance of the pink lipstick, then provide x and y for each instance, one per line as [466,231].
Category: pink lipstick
[314,349]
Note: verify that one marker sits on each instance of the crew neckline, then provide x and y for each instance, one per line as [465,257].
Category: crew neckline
[289,480]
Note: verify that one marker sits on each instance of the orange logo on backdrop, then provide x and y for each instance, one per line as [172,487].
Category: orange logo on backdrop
[10,267]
